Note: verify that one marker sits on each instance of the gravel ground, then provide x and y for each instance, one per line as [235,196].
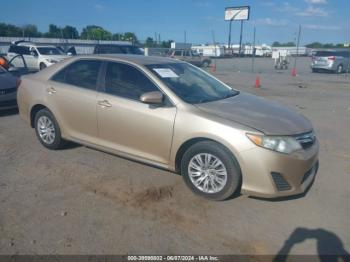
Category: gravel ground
[82,201]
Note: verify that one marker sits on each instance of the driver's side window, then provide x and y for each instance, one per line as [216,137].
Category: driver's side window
[126,81]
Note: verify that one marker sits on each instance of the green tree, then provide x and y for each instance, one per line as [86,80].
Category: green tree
[70,32]
[10,30]
[129,36]
[117,36]
[96,33]
[314,45]
[166,44]
[30,31]
[149,42]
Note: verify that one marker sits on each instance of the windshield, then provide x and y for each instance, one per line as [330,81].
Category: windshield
[49,51]
[190,83]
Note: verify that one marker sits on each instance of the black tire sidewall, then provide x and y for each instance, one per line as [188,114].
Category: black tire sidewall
[339,67]
[234,176]
[42,66]
[58,139]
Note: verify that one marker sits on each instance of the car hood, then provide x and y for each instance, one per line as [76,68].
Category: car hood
[260,114]
[7,81]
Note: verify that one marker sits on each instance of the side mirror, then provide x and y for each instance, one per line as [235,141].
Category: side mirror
[33,54]
[154,97]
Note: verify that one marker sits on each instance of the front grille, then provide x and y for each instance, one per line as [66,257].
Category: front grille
[8,103]
[8,91]
[306,140]
[280,182]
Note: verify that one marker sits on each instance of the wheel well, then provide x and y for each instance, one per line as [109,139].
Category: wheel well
[186,145]
[35,109]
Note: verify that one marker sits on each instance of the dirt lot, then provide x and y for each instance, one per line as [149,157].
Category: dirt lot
[82,201]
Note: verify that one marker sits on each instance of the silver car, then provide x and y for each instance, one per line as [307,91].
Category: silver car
[336,61]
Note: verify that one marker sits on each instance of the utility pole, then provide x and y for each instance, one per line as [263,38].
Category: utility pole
[253,51]
[213,35]
[297,54]
[185,36]
[240,39]
[229,35]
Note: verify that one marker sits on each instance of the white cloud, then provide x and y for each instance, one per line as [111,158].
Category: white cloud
[322,27]
[313,11]
[316,2]
[271,22]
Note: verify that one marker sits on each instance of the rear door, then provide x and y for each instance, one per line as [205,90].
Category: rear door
[128,125]
[72,96]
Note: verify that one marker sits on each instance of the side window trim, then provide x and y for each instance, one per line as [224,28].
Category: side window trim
[102,85]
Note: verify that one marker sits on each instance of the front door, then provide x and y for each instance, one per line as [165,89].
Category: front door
[128,125]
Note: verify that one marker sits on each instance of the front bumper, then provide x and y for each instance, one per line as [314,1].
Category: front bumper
[8,101]
[270,174]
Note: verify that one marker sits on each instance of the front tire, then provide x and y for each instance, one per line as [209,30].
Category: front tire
[42,66]
[47,130]
[211,171]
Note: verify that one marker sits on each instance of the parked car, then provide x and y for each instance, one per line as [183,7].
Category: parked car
[173,115]
[37,57]
[336,61]
[10,80]
[8,89]
[191,57]
[117,49]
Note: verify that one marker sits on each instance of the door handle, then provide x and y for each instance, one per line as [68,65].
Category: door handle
[51,90]
[104,103]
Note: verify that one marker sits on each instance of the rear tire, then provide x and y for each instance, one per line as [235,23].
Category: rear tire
[47,130]
[216,176]
[339,69]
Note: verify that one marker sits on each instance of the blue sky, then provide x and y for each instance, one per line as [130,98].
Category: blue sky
[322,20]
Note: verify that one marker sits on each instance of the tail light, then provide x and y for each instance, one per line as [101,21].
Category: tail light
[331,58]
[18,82]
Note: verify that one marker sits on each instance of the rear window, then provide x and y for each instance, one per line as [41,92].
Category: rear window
[21,50]
[326,53]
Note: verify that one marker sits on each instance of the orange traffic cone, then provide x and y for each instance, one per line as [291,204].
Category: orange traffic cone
[213,67]
[257,82]
[294,72]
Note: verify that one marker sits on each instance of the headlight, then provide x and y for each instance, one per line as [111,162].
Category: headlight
[52,61]
[282,144]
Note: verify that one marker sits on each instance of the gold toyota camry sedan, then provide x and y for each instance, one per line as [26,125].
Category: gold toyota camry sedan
[173,115]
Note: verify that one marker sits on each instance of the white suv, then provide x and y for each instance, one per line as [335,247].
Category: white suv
[37,57]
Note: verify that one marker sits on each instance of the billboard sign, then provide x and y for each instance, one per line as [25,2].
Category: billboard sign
[237,13]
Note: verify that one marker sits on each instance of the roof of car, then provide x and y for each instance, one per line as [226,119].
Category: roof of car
[137,59]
